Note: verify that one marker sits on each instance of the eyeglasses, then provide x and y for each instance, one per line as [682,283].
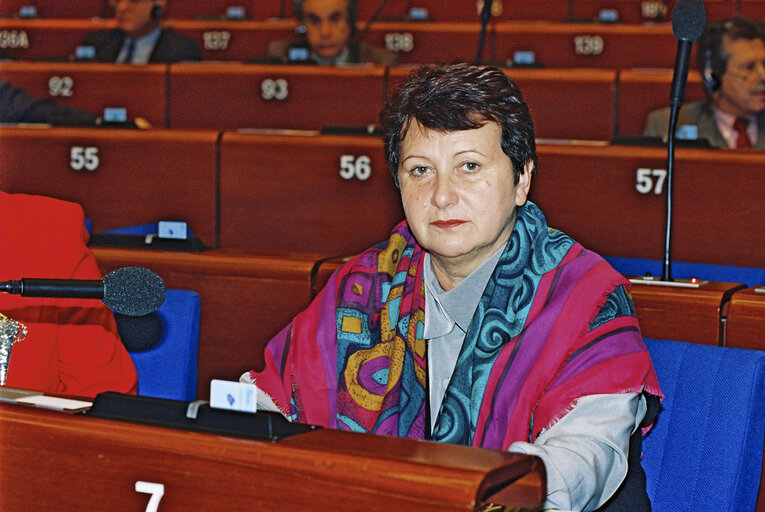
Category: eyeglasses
[748,71]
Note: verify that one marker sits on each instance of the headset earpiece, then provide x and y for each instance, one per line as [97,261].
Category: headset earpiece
[709,79]
[156,12]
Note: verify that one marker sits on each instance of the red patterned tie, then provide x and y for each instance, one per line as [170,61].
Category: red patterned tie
[743,139]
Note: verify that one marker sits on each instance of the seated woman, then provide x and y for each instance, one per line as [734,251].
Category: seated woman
[72,346]
[474,323]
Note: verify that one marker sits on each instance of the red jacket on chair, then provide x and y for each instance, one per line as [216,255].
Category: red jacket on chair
[72,345]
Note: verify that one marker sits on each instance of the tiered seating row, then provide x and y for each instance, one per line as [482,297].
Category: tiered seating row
[310,192]
[632,11]
[593,104]
[554,45]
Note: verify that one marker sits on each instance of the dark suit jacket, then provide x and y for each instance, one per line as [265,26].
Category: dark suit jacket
[170,47]
[701,115]
[16,106]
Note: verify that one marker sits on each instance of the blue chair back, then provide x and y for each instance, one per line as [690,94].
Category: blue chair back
[705,451]
[168,369]
[750,276]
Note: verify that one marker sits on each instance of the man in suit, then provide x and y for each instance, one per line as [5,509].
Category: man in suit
[16,106]
[139,38]
[72,345]
[329,37]
[731,59]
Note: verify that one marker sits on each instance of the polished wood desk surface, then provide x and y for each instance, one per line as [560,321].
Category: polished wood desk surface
[59,461]
[684,314]
[746,319]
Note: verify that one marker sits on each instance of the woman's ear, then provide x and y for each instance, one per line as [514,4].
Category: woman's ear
[524,184]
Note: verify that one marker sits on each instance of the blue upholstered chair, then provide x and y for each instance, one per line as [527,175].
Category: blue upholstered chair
[750,276]
[705,451]
[167,368]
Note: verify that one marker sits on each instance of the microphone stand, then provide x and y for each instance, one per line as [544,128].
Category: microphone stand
[666,272]
[485,16]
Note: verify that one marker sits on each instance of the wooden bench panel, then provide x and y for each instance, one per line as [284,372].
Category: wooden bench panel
[141,90]
[643,90]
[591,193]
[230,96]
[613,46]
[286,193]
[746,319]
[120,177]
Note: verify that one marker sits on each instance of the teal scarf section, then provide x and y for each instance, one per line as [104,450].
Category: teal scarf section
[533,250]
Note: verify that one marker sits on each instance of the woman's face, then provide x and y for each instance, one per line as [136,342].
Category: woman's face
[459,196]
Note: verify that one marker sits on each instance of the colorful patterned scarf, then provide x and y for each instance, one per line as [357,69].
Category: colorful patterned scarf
[355,359]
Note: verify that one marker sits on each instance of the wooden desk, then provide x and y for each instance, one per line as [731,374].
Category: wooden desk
[235,40]
[328,194]
[232,95]
[64,462]
[643,90]
[120,177]
[141,90]
[612,200]
[584,111]
[599,45]
[247,297]
[417,42]
[30,39]
[746,319]
[57,9]
[695,315]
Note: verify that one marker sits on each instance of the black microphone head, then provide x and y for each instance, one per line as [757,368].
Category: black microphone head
[133,291]
[689,18]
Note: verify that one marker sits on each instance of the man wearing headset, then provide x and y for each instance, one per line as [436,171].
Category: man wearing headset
[329,37]
[731,58]
[139,38]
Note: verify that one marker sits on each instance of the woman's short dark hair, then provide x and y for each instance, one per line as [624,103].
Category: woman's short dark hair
[459,96]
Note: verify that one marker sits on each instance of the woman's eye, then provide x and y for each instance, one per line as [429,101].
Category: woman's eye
[419,170]
[470,166]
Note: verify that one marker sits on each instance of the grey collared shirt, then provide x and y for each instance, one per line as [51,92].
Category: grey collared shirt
[144,45]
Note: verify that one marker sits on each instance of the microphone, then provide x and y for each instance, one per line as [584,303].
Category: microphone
[689,17]
[132,291]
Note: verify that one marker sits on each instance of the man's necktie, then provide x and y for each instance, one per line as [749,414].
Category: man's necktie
[743,139]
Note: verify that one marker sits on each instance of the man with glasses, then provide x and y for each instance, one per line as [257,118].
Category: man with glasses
[139,38]
[731,59]
[330,36]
